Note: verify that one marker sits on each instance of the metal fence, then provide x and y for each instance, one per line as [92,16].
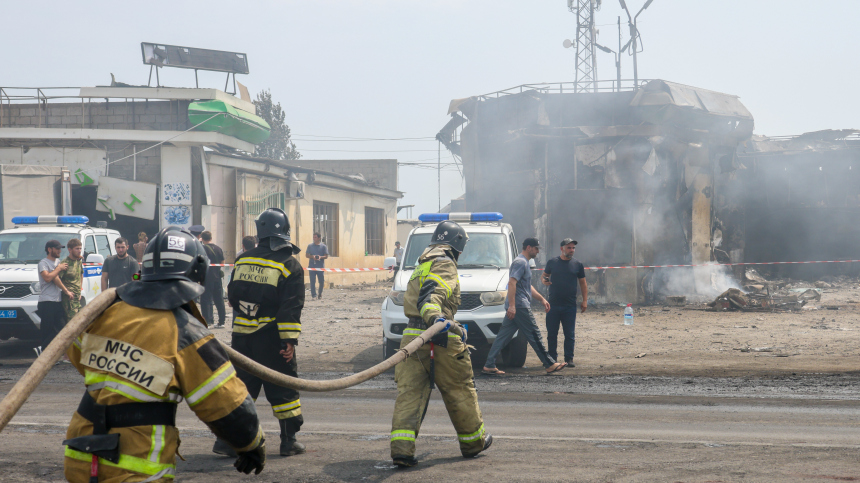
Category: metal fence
[572,87]
[33,95]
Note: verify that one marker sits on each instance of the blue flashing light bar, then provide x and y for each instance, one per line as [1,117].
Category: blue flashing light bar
[473,217]
[50,220]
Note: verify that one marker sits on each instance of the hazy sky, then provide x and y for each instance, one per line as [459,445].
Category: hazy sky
[388,68]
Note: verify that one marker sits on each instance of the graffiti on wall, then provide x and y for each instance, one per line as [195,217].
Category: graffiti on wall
[177,215]
[177,192]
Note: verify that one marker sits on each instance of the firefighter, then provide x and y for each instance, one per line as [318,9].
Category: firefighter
[432,295]
[267,293]
[146,353]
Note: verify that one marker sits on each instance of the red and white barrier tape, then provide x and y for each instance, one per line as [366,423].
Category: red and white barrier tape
[344,270]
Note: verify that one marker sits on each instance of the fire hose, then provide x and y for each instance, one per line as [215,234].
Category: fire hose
[25,386]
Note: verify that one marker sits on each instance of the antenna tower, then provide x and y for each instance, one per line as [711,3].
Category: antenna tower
[586,62]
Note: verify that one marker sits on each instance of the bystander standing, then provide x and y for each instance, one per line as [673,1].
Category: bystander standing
[50,307]
[317,252]
[398,253]
[197,230]
[562,275]
[518,312]
[248,243]
[214,294]
[119,269]
[140,246]
[71,280]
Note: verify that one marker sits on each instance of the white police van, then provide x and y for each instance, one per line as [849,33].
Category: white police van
[21,249]
[483,269]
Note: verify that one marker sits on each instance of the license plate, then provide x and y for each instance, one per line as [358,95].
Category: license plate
[8,314]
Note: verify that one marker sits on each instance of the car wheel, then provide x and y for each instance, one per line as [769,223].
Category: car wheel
[389,347]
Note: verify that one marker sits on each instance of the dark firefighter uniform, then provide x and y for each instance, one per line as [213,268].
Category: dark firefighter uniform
[267,293]
[140,358]
[433,292]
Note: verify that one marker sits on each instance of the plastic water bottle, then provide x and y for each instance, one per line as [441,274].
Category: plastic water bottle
[628,314]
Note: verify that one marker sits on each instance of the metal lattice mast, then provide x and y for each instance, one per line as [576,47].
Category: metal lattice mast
[586,62]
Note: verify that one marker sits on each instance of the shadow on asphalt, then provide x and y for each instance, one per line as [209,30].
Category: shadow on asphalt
[381,470]
[368,358]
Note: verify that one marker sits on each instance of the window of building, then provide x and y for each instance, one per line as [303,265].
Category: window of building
[374,231]
[325,223]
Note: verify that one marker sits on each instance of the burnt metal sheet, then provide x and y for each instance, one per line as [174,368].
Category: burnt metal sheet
[661,93]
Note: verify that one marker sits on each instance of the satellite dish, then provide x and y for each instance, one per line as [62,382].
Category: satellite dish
[567,43]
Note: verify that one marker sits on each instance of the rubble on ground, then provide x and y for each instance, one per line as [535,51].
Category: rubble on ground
[761,294]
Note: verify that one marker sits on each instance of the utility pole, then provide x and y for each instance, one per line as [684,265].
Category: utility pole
[634,37]
[586,63]
[618,62]
[439,174]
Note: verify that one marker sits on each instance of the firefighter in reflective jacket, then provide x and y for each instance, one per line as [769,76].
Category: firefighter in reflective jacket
[140,358]
[267,293]
[433,294]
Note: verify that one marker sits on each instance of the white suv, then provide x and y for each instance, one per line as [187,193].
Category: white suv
[21,249]
[483,269]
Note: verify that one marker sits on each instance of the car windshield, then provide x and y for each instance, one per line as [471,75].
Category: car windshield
[484,250]
[24,247]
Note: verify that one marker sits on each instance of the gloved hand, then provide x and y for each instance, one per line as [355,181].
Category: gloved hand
[252,460]
[442,319]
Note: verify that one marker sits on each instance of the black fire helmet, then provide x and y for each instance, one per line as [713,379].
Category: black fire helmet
[273,223]
[450,233]
[174,254]
[173,270]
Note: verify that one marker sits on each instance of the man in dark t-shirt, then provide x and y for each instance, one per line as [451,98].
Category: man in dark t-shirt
[562,275]
[317,252]
[214,294]
[119,269]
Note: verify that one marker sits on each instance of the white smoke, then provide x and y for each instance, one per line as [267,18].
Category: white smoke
[698,283]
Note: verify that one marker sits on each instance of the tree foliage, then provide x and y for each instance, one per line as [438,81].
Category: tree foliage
[278,146]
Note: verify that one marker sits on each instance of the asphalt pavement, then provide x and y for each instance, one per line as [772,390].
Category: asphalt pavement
[546,428]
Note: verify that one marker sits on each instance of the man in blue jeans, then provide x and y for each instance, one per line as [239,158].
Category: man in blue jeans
[561,275]
[518,312]
[317,252]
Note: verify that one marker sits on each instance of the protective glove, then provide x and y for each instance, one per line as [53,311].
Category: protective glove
[252,460]
[442,319]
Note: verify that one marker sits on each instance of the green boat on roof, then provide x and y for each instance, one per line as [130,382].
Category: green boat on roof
[228,120]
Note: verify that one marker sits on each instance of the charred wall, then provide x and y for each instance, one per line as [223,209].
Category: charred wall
[801,207]
[631,178]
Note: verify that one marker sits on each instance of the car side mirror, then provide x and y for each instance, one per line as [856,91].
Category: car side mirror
[95,258]
[389,262]
[532,263]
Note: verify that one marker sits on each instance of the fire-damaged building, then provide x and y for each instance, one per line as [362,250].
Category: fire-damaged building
[663,174]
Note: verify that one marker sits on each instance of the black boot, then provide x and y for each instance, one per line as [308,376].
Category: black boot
[487,442]
[289,445]
[404,461]
[221,447]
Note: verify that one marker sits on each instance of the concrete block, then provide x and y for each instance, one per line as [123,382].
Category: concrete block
[28,112]
[71,119]
[55,120]
[146,118]
[164,119]
[56,111]
[74,110]
[114,119]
